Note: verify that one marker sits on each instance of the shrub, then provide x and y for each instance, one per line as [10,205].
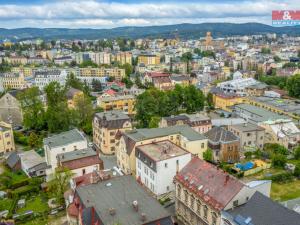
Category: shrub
[297,170]
[21,183]
[279,160]
[282,177]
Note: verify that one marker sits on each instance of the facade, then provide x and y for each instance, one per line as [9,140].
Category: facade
[99,203]
[100,58]
[203,191]
[123,58]
[283,132]
[198,122]
[224,144]
[115,72]
[183,136]
[13,80]
[27,71]
[72,95]
[106,125]
[60,143]
[157,163]
[252,137]
[225,101]
[10,108]
[7,143]
[124,103]
[149,59]
[44,77]
[80,162]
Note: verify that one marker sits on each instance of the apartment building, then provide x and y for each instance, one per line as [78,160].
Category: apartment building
[123,58]
[44,77]
[106,126]
[13,81]
[27,71]
[198,122]
[224,144]
[183,136]
[203,191]
[148,59]
[157,163]
[252,136]
[7,143]
[10,108]
[17,60]
[115,72]
[61,143]
[124,103]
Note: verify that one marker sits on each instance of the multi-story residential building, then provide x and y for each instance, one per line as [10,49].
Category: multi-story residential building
[198,122]
[63,60]
[124,103]
[17,60]
[7,142]
[13,81]
[157,163]
[61,143]
[80,162]
[10,108]
[115,72]
[123,58]
[224,144]
[120,200]
[106,125]
[203,191]
[101,58]
[183,136]
[252,137]
[148,59]
[27,71]
[44,77]
[223,100]
[282,131]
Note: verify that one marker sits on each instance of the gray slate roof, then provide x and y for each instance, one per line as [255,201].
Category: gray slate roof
[120,195]
[64,138]
[220,135]
[78,154]
[264,211]
[247,127]
[12,159]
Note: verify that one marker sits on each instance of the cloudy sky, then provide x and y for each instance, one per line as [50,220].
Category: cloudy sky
[116,13]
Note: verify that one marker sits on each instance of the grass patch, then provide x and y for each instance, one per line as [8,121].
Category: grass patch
[37,204]
[287,191]
[5,204]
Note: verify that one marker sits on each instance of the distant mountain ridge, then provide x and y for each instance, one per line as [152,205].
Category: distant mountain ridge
[184,31]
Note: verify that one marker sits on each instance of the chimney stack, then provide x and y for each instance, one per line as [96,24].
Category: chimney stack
[135,205]
[143,217]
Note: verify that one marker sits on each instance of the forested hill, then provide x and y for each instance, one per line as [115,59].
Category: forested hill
[184,31]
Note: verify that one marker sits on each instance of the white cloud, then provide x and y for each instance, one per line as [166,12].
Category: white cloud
[91,13]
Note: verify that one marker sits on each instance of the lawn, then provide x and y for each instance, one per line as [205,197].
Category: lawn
[284,192]
[5,204]
[36,204]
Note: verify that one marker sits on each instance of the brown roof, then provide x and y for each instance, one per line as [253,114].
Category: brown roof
[82,162]
[211,184]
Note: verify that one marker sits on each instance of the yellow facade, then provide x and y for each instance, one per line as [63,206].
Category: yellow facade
[13,81]
[17,60]
[123,58]
[149,59]
[117,73]
[124,103]
[27,71]
[7,143]
[225,102]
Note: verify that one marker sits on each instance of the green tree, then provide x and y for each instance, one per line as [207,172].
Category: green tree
[60,184]
[265,50]
[187,58]
[32,108]
[209,100]
[208,155]
[293,86]
[279,160]
[297,170]
[96,85]
[127,82]
[154,122]
[74,82]
[128,69]
[297,152]
[193,99]
[34,140]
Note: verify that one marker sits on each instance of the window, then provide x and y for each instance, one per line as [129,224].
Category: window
[249,142]
[83,171]
[186,196]
[214,218]
[139,165]
[166,165]
[198,207]
[146,170]
[75,147]
[177,162]
[205,210]
[178,191]
[202,145]
[248,134]
[168,188]
[192,202]
[112,141]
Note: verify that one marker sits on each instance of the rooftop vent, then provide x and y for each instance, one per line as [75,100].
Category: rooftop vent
[248,220]
[206,191]
[200,187]
[135,205]
[143,217]
[112,211]
[108,185]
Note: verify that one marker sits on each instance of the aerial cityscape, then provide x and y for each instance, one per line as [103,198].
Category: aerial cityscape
[126,112]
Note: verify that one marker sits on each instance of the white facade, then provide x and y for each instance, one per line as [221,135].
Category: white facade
[84,170]
[237,86]
[161,181]
[100,58]
[43,78]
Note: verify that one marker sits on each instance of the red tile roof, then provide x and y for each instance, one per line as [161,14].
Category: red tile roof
[73,210]
[158,74]
[211,184]
[83,162]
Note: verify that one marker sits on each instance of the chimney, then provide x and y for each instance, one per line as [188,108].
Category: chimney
[227,179]
[143,217]
[112,211]
[135,205]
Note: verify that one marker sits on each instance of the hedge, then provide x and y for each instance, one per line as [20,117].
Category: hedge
[20,183]
[282,177]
